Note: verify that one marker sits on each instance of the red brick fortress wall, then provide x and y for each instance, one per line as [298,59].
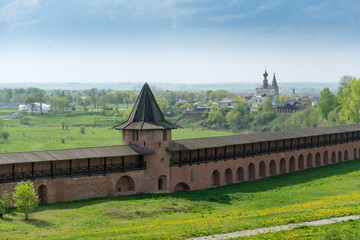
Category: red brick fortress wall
[218,173]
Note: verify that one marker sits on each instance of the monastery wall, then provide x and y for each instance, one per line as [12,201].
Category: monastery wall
[222,172]
[79,188]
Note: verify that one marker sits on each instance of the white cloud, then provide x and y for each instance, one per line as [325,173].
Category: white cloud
[20,13]
[228,17]
[19,24]
[145,9]
[269,5]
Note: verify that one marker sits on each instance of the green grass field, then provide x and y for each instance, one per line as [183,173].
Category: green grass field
[346,230]
[45,133]
[312,194]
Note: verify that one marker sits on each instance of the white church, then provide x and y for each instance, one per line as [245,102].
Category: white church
[263,90]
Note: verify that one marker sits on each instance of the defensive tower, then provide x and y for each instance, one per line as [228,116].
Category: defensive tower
[147,128]
[146,125]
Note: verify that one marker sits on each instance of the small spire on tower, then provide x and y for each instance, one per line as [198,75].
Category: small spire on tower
[274,85]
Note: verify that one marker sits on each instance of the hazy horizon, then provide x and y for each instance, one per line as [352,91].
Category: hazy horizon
[178,41]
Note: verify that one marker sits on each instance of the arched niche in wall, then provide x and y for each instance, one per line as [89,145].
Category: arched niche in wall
[125,184]
[181,187]
[43,193]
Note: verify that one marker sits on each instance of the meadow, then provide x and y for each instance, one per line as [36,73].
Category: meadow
[312,194]
[44,132]
[347,230]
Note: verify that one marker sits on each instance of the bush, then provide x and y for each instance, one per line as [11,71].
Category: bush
[4,135]
[82,129]
[95,120]
[24,120]
[6,198]
[2,208]
[62,123]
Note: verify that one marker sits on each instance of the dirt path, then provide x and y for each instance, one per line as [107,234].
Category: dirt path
[276,228]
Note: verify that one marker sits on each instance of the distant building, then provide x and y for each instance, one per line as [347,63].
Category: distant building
[263,90]
[292,107]
[35,107]
[314,101]
[226,102]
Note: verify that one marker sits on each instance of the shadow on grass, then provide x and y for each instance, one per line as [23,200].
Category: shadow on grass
[223,194]
[38,223]
[6,219]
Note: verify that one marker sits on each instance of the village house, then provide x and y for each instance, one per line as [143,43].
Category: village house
[35,107]
[226,102]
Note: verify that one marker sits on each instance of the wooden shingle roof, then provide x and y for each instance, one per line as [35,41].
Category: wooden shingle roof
[210,142]
[70,154]
[146,114]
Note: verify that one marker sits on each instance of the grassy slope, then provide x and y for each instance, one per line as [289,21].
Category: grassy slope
[346,230]
[312,194]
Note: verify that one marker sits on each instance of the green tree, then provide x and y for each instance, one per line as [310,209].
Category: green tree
[25,198]
[215,117]
[208,94]
[308,118]
[86,101]
[343,83]
[350,102]
[127,100]
[189,97]
[64,123]
[277,100]
[103,98]
[198,97]
[62,103]
[163,104]
[31,101]
[126,114]
[6,198]
[95,120]
[1,122]
[40,97]
[116,99]
[2,208]
[284,98]
[220,94]
[239,116]
[327,102]
[267,106]
[93,94]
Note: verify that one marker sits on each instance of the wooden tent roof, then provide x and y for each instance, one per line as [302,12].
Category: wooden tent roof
[146,114]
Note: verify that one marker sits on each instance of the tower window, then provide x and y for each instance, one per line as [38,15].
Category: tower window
[164,135]
[136,135]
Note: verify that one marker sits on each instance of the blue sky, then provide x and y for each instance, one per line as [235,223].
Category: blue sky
[180,41]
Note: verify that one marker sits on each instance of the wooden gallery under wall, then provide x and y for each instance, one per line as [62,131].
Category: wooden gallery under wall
[151,162]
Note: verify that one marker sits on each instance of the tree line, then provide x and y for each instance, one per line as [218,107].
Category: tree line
[333,108]
[342,107]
